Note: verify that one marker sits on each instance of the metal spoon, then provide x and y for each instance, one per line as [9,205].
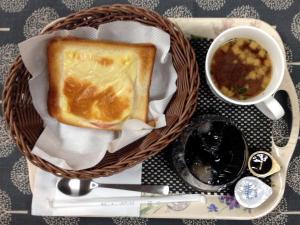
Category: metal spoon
[76,187]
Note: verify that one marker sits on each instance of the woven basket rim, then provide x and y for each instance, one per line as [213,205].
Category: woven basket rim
[154,142]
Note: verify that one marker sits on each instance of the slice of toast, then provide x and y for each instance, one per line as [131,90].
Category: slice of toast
[98,84]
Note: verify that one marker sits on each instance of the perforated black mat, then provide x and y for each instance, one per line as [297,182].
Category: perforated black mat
[255,126]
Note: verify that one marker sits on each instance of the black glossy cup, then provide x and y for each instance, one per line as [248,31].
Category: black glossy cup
[211,154]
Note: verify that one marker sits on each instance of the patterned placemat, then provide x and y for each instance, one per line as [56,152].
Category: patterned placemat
[256,127]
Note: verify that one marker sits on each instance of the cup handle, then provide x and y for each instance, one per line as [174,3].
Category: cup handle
[271,108]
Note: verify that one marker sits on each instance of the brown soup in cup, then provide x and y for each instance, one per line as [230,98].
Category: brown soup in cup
[241,68]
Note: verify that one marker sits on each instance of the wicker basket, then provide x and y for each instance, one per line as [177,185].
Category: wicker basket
[26,125]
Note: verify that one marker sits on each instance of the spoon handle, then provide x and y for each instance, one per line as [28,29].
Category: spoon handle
[154,189]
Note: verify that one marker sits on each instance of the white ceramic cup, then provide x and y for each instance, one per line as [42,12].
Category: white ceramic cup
[264,101]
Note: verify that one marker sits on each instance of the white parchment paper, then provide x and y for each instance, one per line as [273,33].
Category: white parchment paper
[71,147]
[45,191]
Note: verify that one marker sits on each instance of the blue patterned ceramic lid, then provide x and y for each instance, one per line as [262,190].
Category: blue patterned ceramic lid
[251,192]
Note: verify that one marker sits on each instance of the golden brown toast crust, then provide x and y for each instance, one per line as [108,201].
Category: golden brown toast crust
[86,100]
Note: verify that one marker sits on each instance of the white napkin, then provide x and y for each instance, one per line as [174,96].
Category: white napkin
[77,148]
[45,191]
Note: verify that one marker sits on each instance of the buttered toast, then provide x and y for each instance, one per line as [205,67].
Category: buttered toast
[99,84]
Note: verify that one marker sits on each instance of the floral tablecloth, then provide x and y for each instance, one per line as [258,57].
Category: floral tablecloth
[22,19]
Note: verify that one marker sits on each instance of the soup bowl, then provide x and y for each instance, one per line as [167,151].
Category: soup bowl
[264,101]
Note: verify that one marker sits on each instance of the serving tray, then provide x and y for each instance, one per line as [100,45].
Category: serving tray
[210,28]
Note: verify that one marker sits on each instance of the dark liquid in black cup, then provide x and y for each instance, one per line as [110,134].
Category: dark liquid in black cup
[215,152]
